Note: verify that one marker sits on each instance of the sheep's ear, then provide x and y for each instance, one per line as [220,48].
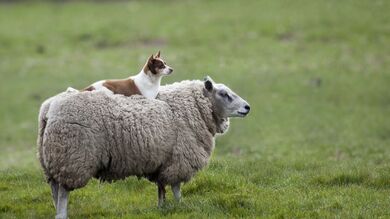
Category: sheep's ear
[208,78]
[208,84]
[157,54]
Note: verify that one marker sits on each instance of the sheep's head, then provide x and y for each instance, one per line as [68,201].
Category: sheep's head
[225,101]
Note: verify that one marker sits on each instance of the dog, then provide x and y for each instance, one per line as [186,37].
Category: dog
[145,83]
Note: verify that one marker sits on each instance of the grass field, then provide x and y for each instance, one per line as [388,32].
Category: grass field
[316,73]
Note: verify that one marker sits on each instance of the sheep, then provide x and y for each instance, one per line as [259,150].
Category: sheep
[167,140]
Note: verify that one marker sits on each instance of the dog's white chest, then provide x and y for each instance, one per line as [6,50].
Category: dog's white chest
[147,88]
[150,93]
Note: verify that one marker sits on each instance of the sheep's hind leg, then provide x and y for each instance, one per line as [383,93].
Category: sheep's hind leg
[54,192]
[62,203]
[176,191]
[161,194]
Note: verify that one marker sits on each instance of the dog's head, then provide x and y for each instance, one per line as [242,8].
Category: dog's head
[156,66]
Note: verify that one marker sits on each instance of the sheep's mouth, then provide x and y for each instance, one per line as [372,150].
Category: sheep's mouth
[243,113]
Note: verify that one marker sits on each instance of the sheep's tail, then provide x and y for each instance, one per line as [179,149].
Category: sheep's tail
[42,121]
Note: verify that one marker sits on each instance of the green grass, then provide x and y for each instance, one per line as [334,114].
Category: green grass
[316,73]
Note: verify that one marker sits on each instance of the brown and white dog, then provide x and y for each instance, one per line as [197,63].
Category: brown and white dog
[145,83]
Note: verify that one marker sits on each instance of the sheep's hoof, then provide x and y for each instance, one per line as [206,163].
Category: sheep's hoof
[61,216]
[160,203]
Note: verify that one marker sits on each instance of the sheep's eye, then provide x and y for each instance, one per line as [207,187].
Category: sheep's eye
[230,99]
[226,95]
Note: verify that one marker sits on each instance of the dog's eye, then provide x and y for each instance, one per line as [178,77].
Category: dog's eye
[160,65]
[223,94]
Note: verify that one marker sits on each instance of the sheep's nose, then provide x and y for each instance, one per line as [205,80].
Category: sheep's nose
[247,107]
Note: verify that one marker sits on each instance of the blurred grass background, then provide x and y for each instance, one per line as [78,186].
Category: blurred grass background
[316,73]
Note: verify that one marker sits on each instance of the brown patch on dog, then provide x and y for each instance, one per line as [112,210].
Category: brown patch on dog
[149,66]
[158,64]
[89,88]
[126,87]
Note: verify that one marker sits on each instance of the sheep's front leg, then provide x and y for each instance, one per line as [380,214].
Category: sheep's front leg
[62,203]
[161,194]
[54,192]
[176,191]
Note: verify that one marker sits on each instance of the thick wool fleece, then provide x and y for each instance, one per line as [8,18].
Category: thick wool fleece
[93,134]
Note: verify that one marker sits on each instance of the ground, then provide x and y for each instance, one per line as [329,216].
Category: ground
[316,73]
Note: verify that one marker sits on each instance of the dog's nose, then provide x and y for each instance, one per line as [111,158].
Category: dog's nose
[171,69]
[247,107]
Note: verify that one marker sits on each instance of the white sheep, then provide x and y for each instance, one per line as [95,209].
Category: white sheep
[109,137]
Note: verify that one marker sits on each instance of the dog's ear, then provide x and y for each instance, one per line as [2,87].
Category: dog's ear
[157,54]
[150,58]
